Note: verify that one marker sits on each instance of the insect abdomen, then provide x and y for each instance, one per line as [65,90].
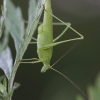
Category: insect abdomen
[45,37]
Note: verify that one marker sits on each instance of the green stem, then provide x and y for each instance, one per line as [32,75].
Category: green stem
[20,55]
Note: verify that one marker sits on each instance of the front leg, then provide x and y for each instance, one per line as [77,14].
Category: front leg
[31,60]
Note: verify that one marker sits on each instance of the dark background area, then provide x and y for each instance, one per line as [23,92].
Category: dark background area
[81,65]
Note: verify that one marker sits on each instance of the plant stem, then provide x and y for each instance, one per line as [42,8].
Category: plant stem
[23,48]
[20,54]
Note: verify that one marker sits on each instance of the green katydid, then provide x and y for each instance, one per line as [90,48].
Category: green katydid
[45,42]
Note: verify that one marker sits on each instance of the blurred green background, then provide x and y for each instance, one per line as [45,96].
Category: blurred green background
[81,65]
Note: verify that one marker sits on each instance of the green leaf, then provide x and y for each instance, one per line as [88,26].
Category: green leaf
[2,77]
[91,92]
[1,97]
[5,83]
[4,11]
[94,91]
[97,83]
[14,17]
[32,29]
[79,97]
[6,62]
[3,89]
[26,41]
[16,85]
[4,42]
[31,14]
[1,25]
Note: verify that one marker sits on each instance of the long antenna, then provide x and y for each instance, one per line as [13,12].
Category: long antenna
[71,48]
[85,96]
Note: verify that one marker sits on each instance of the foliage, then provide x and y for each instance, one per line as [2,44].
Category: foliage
[14,25]
[93,91]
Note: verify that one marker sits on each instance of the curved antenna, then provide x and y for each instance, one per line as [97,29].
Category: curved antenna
[85,96]
[71,48]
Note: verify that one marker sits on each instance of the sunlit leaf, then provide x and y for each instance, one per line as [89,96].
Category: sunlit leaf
[14,17]
[3,17]
[6,62]
[5,37]
[4,42]
[26,41]
[40,5]
[31,31]
[31,13]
